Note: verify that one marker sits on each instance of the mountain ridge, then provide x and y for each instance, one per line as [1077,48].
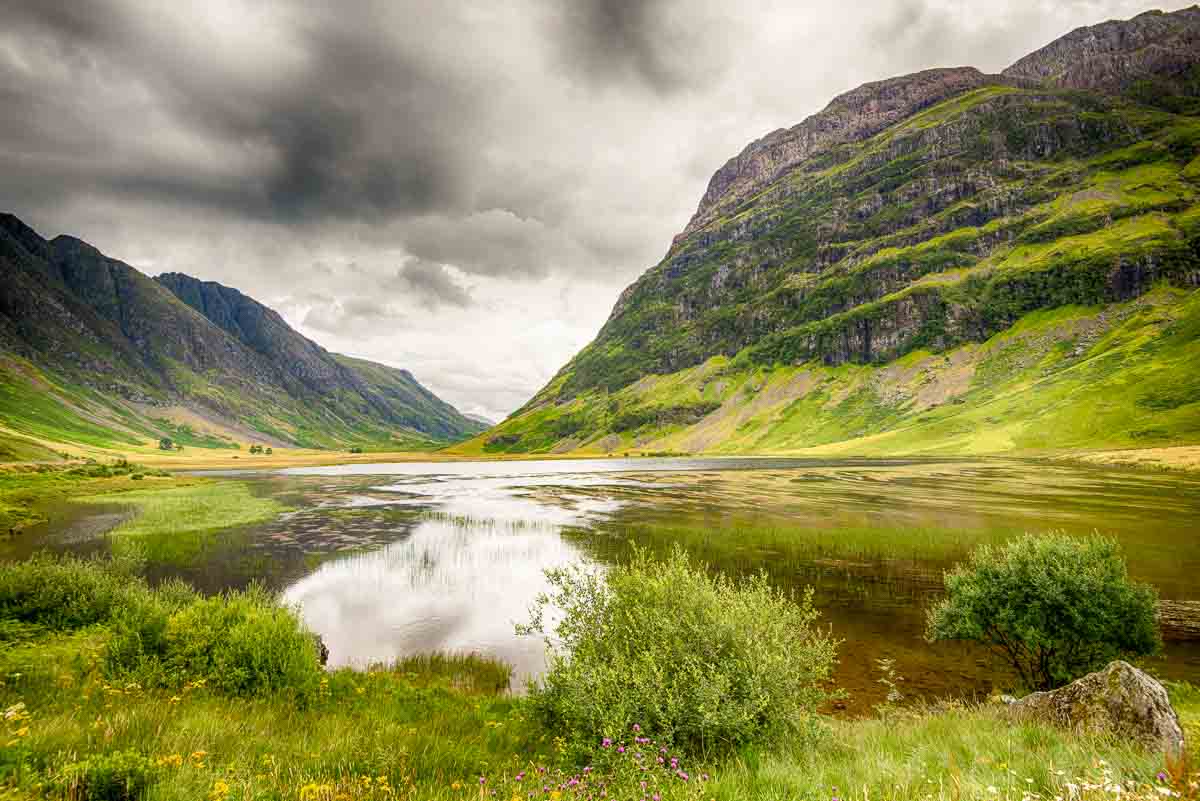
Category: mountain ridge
[112,354]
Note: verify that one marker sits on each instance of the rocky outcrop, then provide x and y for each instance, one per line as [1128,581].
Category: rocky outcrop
[1120,700]
[1113,56]
[851,117]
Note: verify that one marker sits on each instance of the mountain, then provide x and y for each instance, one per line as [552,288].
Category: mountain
[948,261]
[486,422]
[97,354]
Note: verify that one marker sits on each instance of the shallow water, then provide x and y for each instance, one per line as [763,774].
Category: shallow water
[394,559]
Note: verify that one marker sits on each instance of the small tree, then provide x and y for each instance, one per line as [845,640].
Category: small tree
[1053,607]
[166,444]
[270,451]
[255,449]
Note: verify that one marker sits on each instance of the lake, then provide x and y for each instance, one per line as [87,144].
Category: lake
[387,560]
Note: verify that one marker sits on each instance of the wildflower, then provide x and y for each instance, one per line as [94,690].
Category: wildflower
[637,728]
[605,743]
[620,749]
[455,786]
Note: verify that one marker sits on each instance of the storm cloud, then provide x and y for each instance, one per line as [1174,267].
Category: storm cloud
[458,188]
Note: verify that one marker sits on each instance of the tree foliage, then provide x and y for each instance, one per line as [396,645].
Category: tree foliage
[1054,607]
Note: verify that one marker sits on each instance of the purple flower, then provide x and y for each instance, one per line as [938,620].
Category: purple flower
[605,743]
[520,775]
[620,749]
[482,780]
[636,727]
[1162,777]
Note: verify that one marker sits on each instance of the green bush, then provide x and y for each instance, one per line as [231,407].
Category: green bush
[63,594]
[1053,607]
[242,643]
[699,661]
[116,776]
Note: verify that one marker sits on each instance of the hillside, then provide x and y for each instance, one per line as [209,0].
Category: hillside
[97,354]
[948,261]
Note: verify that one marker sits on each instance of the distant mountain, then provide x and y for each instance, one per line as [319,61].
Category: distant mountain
[486,422]
[948,261]
[96,353]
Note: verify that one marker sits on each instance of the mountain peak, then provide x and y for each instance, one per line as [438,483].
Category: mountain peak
[850,117]
[1115,55]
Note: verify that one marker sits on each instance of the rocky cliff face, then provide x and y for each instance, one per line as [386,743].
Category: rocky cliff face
[93,322]
[851,117]
[922,213]
[1115,56]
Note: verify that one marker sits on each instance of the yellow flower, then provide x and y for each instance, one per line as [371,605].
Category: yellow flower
[456,786]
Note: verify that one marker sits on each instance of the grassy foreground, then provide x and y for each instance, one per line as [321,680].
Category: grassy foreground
[111,690]
[423,732]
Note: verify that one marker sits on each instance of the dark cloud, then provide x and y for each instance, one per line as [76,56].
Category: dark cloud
[432,285]
[344,122]
[666,45]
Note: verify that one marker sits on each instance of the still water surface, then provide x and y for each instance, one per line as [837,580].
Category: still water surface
[388,560]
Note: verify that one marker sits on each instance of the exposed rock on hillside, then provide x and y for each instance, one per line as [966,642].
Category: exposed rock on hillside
[1119,700]
[1115,56]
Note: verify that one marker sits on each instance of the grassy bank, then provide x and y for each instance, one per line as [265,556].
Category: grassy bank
[198,711]
[165,504]
[415,732]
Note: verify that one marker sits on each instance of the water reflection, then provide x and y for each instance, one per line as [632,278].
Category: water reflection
[448,587]
[461,579]
[392,560]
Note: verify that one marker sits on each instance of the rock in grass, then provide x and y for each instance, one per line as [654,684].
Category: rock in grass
[1120,700]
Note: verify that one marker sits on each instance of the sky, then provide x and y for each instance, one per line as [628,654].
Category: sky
[461,189]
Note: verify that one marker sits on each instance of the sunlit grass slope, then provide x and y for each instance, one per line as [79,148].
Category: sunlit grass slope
[1070,378]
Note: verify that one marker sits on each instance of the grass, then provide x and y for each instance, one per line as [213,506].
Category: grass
[751,544]
[29,492]
[408,732]
[174,525]
[1063,381]
[951,753]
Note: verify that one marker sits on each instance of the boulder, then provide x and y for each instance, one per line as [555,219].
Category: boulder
[1120,700]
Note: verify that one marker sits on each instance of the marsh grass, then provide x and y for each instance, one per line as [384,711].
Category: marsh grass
[473,672]
[27,492]
[175,525]
[748,543]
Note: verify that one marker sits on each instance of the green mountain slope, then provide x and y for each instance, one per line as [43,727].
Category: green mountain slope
[945,261]
[96,354]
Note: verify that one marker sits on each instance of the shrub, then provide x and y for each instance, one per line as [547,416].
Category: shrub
[116,776]
[63,594]
[699,661]
[242,643]
[1053,607]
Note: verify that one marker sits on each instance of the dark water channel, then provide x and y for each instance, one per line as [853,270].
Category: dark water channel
[393,559]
